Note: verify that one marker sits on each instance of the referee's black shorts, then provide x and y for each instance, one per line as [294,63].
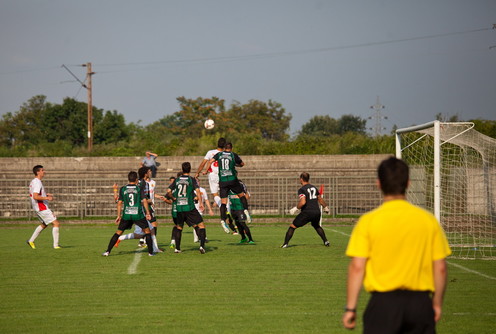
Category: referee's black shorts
[399,311]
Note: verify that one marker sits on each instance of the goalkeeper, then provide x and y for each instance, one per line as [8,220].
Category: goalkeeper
[308,203]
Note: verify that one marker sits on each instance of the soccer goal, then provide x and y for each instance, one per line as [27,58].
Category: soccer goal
[453,175]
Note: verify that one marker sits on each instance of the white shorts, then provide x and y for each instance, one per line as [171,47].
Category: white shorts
[139,230]
[46,216]
[213,181]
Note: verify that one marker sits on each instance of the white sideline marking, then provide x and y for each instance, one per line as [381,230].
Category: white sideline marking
[335,231]
[450,263]
[133,267]
[470,270]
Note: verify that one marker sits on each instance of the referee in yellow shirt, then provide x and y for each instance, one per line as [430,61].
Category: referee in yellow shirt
[398,253]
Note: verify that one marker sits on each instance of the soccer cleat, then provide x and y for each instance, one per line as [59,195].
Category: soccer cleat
[117,243]
[57,247]
[248,217]
[106,254]
[151,254]
[224,226]
[159,250]
[235,233]
[284,246]
[202,250]
[31,244]
[177,251]
[251,242]
[327,243]
[196,240]
[243,241]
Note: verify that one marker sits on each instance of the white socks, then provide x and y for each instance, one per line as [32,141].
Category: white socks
[126,236]
[55,234]
[217,201]
[36,233]
[155,244]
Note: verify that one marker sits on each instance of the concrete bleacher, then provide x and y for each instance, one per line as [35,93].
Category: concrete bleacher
[83,185]
[116,167]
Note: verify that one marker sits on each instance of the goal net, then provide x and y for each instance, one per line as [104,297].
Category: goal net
[453,175]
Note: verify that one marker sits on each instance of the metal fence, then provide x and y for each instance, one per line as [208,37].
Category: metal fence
[346,195]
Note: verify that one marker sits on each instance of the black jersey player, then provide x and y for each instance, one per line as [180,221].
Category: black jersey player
[308,202]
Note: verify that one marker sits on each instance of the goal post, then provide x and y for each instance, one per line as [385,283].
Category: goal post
[453,175]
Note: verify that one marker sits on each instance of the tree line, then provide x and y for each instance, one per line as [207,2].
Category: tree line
[41,128]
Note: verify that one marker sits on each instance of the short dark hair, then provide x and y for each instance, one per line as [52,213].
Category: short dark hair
[132,176]
[186,167]
[393,175]
[228,146]
[142,171]
[36,169]
[221,143]
[172,178]
[305,176]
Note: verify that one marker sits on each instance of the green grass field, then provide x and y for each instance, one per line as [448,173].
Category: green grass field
[231,289]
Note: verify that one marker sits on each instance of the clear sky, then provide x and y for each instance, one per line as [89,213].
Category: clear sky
[315,57]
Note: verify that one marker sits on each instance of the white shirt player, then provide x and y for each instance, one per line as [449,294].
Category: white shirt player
[214,168]
[151,189]
[213,172]
[37,187]
[204,196]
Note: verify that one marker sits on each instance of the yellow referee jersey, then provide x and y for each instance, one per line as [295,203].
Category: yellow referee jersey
[400,241]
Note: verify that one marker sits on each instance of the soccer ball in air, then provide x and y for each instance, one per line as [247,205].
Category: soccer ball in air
[209,124]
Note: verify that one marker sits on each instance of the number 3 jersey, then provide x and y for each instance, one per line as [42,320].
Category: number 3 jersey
[132,196]
[310,192]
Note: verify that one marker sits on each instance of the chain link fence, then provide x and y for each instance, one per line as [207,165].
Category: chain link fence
[345,195]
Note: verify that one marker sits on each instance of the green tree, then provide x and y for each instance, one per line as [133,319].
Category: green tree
[25,126]
[268,119]
[111,128]
[350,123]
[191,115]
[320,126]
[485,127]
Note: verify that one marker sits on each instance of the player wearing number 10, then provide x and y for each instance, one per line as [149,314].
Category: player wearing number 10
[308,203]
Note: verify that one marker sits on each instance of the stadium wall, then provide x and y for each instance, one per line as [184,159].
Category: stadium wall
[83,185]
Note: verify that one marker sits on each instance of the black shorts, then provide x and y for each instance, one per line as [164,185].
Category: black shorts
[238,216]
[234,185]
[152,214]
[191,218]
[305,217]
[399,311]
[127,224]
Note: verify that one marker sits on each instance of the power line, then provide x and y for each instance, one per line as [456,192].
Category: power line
[261,55]
[289,53]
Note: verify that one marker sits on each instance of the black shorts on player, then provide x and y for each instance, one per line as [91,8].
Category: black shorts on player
[306,217]
[233,185]
[127,224]
[191,218]
[152,214]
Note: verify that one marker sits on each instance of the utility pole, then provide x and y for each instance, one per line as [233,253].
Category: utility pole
[89,73]
[378,107]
